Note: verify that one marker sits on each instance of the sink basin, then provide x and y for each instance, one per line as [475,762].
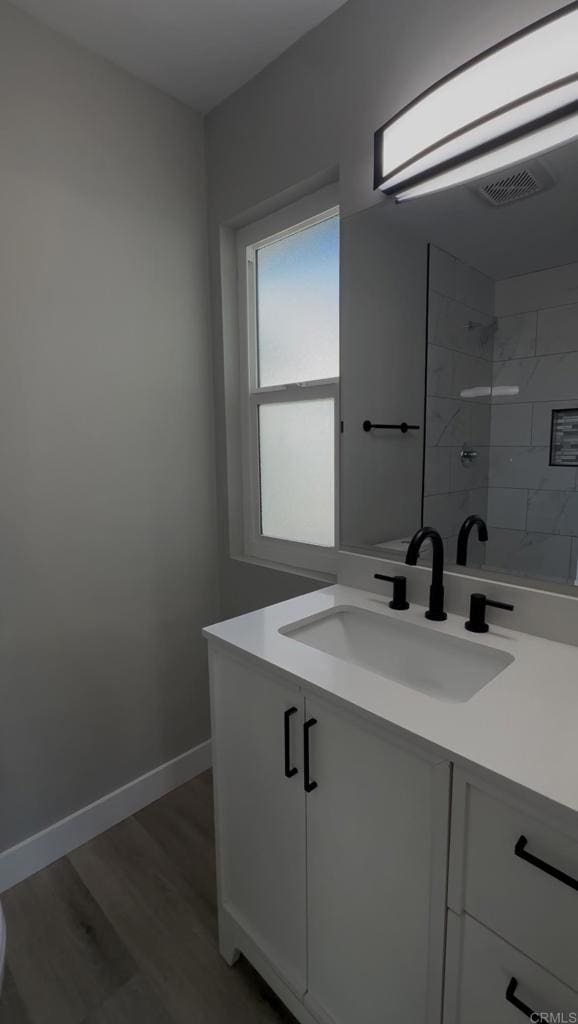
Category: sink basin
[417,656]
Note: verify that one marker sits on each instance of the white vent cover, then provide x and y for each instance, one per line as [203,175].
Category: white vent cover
[509,189]
[519,183]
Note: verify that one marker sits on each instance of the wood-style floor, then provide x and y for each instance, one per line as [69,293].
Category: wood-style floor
[124,930]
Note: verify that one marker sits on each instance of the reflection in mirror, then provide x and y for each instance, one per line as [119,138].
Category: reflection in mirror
[383,363]
[500,435]
[459,382]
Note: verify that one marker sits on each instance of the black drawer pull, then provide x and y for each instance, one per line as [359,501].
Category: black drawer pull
[520,851]
[309,785]
[289,771]
[513,999]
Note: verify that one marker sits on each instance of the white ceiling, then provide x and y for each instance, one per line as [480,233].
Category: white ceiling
[197,50]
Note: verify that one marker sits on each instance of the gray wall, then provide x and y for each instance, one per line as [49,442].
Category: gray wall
[107,544]
[313,110]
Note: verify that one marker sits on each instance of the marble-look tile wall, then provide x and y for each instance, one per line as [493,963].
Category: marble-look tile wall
[460,360]
[532,506]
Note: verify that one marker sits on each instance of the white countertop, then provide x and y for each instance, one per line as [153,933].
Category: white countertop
[522,725]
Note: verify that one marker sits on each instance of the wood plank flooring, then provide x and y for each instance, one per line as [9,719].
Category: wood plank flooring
[124,930]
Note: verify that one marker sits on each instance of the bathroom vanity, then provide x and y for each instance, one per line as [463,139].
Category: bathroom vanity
[396,808]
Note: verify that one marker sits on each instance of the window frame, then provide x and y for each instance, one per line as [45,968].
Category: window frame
[285,553]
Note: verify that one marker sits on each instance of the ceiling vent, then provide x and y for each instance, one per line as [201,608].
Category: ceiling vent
[518,184]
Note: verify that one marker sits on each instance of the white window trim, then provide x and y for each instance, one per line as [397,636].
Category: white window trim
[283,553]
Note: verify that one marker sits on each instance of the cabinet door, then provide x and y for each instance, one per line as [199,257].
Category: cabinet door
[377,858]
[260,811]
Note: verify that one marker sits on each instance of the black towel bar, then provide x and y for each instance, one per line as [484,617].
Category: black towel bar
[404,427]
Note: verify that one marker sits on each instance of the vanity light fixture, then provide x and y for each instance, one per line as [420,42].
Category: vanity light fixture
[513,101]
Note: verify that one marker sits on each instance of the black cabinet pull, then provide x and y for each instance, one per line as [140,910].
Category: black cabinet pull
[309,785]
[289,771]
[513,999]
[520,851]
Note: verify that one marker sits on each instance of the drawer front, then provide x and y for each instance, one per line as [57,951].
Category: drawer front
[508,884]
[493,983]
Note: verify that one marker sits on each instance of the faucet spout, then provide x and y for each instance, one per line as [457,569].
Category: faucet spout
[464,534]
[435,611]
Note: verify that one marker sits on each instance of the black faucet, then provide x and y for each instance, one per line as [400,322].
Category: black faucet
[465,530]
[436,591]
[478,604]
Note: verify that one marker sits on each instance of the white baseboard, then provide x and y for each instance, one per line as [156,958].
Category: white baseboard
[36,852]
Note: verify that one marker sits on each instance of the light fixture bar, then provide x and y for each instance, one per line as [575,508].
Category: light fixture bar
[483,114]
[540,141]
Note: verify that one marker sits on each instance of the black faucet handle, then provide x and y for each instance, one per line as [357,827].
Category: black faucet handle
[478,604]
[499,604]
[399,602]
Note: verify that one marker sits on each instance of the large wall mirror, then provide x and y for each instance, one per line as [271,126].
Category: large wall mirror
[460,321]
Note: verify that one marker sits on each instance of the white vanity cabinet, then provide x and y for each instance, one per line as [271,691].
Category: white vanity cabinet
[260,813]
[376,874]
[343,876]
[332,880]
[491,982]
[512,940]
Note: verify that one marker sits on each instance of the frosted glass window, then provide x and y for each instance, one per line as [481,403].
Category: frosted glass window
[296,443]
[298,306]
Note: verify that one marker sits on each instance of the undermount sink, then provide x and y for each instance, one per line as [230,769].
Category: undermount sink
[417,656]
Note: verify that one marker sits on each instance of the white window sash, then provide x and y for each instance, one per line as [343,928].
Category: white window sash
[295,554]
